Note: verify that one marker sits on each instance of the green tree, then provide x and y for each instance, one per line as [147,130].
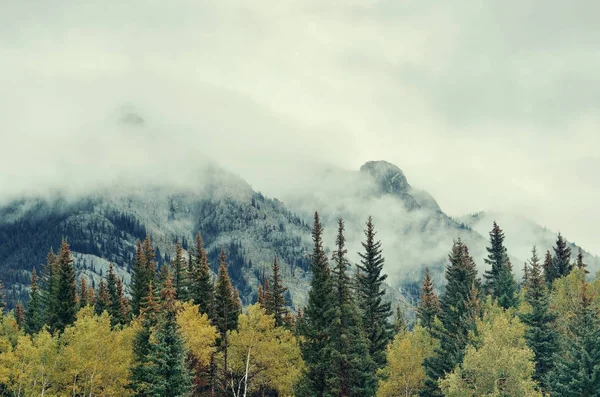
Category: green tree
[169,375]
[66,290]
[275,303]
[399,321]
[499,280]
[428,308]
[143,274]
[50,288]
[457,318]
[313,327]
[577,369]
[141,372]
[549,271]
[115,295]
[103,302]
[34,317]
[180,277]
[371,293]
[352,372]
[579,263]
[561,260]
[540,334]
[201,285]
[84,295]
[499,365]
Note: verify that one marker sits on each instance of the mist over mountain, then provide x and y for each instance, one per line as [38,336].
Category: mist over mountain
[103,225]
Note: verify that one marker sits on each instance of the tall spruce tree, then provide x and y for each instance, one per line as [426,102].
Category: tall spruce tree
[579,263]
[458,317]
[49,289]
[399,321]
[84,295]
[540,334]
[169,375]
[371,293]
[577,369]
[499,280]
[66,290]
[313,325]
[275,302]
[549,271]
[429,305]
[34,317]
[141,376]
[201,284]
[226,308]
[352,371]
[115,308]
[143,273]
[561,260]
[103,302]
[180,277]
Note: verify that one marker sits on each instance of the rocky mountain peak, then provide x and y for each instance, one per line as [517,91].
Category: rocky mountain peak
[388,176]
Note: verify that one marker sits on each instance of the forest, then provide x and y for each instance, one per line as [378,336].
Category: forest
[179,331]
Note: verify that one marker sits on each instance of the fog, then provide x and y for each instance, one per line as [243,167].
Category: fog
[488,106]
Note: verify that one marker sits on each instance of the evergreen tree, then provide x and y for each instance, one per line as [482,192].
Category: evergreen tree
[459,307]
[169,374]
[579,263]
[577,369]
[313,325]
[549,271]
[429,305]
[226,307]
[143,274]
[34,317]
[275,302]
[180,274]
[141,372]
[115,308]
[371,293]
[352,370]
[20,315]
[103,302]
[202,288]
[124,306]
[561,260]
[84,295]
[499,280]
[50,288]
[66,290]
[399,321]
[507,288]
[540,334]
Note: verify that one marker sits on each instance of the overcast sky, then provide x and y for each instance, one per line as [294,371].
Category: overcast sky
[488,105]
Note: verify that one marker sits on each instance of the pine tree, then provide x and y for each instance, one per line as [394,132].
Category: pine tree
[49,289]
[124,306]
[83,293]
[577,369]
[507,288]
[275,303]
[458,304]
[429,305]
[20,315]
[103,302]
[499,281]
[579,263]
[115,308]
[141,372]
[169,374]
[561,260]
[34,317]
[180,274]
[66,290]
[540,334]
[226,308]
[143,273]
[549,271]
[313,325]
[2,298]
[202,288]
[371,294]
[399,321]
[352,372]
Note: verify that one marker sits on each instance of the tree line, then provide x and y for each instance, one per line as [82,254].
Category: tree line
[182,332]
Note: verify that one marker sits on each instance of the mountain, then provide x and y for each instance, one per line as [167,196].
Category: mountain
[103,226]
